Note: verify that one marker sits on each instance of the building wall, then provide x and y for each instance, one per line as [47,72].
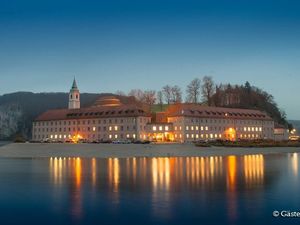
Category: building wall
[281,134]
[184,129]
[187,129]
[91,129]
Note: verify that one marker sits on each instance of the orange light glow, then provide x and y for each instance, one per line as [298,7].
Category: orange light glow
[161,137]
[253,169]
[231,172]
[76,138]
[230,134]
[94,171]
[78,172]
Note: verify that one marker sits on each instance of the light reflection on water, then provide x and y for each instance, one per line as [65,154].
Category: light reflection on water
[173,190]
[166,175]
[295,164]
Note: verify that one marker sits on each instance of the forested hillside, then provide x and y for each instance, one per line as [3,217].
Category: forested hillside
[18,110]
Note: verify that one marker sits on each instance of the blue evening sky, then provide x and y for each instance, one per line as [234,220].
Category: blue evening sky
[121,44]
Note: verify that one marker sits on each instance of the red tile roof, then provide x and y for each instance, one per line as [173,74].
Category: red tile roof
[93,112]
[195,110]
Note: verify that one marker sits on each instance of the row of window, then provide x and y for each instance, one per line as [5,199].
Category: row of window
[192,128]
[83,122]
[216,136]
[253,129]
[69,136]
[195,120]
[220,128]
[94,129]
[160,128]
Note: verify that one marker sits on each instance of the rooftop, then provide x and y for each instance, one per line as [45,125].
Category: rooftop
[196,110]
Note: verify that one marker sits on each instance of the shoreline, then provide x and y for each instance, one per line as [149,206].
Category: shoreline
[42,150]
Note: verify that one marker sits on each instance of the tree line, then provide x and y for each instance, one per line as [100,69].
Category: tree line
[197,91]
[206,92]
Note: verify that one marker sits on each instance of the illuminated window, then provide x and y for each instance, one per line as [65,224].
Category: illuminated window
[260,129]
[252,128]
[201,127]
[192,127]
[245,128]
[211,136]
[110,128]
[197,136]
[187,135]
[51,136]
[197,128]
[202,136]
[154,128]
[94,128]
[110,136]
[160,127]
[220,135]
[55,136]
[116,127]
[69,136]
[175,127]
[206,128]
[206,135]
[192,135]
[256,128]
[60,136]
[249,128]
[133,136]
[166,128]
[127,135]
[175,135]
[241,136]
[65,136]
[180,135]
[216,135]
[187,128]
[180,127]
[116,136]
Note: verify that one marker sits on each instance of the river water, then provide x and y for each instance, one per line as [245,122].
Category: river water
[193,190]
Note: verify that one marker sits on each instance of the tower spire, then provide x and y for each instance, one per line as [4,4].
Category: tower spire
[74,85]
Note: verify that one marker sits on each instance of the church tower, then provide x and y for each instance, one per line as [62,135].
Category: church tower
[74,96]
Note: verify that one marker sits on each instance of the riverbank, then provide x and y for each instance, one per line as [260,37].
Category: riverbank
[37,150]
[249,144]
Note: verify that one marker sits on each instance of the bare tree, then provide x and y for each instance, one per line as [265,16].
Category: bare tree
[167,93]
[121,93]
[137,93]
[193,91]
[176,94]
[149,97]
[160,99]
[208,89]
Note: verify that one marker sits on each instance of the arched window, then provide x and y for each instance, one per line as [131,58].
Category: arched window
[76,96]
[71,97]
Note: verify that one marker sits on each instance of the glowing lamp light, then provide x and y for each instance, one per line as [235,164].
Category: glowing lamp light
[76,138]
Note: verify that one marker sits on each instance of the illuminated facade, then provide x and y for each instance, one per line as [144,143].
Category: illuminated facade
[109,119]
[193,122]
